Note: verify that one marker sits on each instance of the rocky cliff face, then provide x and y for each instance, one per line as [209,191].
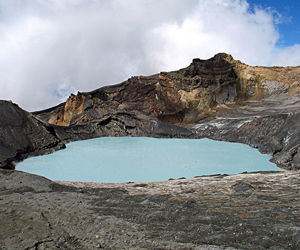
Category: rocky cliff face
[174,97]
[219,98]
[178,97]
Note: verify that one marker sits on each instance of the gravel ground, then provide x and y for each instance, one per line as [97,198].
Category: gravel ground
[245,211]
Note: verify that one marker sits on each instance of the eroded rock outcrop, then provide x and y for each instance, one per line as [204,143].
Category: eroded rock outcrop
[173,97]
[219,98]
[178,97]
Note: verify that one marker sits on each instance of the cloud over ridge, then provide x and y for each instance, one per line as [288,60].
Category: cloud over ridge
[49,49]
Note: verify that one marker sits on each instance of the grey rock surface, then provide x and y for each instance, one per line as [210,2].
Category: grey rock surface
[270,125]
[245,211]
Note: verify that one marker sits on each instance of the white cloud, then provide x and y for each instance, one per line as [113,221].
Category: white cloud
[289,56]
[50,48]
[217,26]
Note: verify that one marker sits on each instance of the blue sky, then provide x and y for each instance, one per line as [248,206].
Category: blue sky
[289,27]
[53,48]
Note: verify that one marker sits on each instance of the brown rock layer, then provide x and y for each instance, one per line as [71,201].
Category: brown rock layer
[178,97]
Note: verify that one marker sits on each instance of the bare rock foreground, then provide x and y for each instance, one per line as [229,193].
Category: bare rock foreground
[245,211]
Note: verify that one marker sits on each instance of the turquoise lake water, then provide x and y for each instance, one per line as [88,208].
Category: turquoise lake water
[136,159]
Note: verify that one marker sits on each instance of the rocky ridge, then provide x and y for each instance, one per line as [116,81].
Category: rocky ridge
[219,98]
[178,97]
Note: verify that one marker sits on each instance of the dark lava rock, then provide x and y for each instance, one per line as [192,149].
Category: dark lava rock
[274,134]
[23,135]
[120,124]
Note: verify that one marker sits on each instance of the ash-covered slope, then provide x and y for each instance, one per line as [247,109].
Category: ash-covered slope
[219,98]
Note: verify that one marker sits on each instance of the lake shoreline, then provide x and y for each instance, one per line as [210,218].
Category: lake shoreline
[139,159]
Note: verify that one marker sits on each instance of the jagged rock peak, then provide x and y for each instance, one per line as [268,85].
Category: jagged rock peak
[224,56]
[217,57]
[214,66]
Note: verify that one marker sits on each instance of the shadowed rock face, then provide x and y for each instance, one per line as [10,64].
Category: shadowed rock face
[22,135]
